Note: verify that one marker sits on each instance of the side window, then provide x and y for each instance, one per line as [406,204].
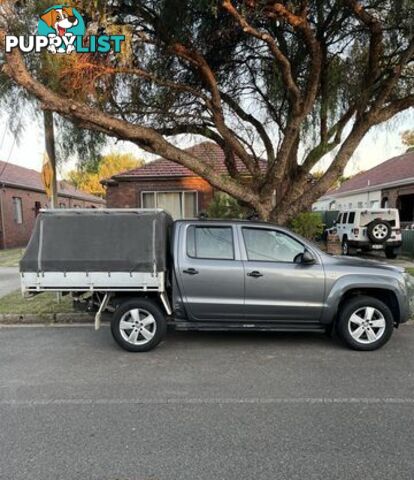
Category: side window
[210,242]
[344,217]
[18,210]
[340,216]
[270,245]
[351,217]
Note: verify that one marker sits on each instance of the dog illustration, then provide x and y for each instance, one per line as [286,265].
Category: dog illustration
[60,19]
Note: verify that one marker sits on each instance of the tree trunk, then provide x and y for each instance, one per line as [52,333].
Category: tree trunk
[51,152]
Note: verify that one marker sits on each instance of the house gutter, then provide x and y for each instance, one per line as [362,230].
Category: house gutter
[380,186]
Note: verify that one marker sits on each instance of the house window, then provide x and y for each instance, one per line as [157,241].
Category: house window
[18,210]
[37,207]
[178,204]
[62,205]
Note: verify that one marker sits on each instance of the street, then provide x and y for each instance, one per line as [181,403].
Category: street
[203,406]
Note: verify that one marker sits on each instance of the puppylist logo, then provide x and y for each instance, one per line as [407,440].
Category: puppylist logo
[61,29]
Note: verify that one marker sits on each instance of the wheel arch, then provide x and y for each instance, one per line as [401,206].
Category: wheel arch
[348,286]
[385,295]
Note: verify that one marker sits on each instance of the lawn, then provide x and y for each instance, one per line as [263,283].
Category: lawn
[10,257]
[45,303]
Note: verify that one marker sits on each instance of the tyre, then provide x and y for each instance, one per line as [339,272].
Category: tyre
[390,252]
[365,323]
[379,231]
[138,325]
[346,250]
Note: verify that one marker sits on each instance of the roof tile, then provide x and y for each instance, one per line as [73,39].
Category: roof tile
[161,167]
[11,174]
[393,170]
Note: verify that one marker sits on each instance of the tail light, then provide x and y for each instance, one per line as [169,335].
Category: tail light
[355,231]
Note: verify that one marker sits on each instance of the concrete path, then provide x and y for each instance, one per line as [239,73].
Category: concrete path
[9,280]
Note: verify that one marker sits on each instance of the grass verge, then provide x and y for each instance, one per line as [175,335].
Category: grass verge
[43,304]
[410,270]
[11,257]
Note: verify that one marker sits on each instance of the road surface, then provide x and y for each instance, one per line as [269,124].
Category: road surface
[203,406]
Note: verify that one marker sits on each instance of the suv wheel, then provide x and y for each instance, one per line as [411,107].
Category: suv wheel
[138,325]
[365,323]
[390,252]
[379,231]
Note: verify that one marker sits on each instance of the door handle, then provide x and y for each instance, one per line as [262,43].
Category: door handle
[255,274]
[190,271]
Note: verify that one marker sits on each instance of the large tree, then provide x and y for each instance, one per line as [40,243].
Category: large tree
[286,82]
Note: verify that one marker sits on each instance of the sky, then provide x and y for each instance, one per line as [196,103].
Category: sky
[379,145]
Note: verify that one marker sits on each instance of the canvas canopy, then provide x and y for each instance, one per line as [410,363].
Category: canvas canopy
[98,241]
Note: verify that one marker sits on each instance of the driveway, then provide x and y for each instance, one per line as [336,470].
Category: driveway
[380,257]
[9,280]
[203,406]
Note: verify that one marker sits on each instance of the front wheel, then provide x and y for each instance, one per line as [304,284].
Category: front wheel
[365,323]
[138,325]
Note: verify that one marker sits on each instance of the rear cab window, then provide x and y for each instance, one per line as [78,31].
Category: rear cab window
[210,242]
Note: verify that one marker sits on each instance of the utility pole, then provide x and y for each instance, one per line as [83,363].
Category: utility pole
[51,153]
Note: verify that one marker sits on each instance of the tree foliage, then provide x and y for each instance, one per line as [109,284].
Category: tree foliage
[224,206]
[288,82]
[308,224]
[407,138]
[87,177]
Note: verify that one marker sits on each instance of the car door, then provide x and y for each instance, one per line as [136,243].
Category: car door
[211,272]
[276,288]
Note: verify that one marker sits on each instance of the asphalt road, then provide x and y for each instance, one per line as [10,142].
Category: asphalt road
[203,406]
[9,280]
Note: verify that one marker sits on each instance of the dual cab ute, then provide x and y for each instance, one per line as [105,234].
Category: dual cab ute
[149,272]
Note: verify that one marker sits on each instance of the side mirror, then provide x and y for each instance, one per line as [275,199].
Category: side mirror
[307,258]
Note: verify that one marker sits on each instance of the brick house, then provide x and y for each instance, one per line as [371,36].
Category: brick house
[22,195]
[389,185]
[165,184]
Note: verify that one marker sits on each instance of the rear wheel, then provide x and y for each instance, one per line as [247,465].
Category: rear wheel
[138,325]
[365,323]
[390,252]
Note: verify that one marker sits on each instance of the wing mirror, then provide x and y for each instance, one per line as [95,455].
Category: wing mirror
[307,258]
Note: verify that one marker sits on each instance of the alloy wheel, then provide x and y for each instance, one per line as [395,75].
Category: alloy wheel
[366,325]
[137,326]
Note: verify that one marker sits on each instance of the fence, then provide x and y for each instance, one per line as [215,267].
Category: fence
[407,243]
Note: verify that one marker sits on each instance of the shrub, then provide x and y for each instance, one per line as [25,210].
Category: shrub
[224,206]
[308,224]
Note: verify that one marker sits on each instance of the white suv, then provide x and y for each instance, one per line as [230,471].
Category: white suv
[369,229]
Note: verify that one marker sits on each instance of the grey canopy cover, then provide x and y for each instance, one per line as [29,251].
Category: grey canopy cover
[98,241]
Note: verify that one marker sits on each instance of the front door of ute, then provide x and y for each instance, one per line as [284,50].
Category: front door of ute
[276,288]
